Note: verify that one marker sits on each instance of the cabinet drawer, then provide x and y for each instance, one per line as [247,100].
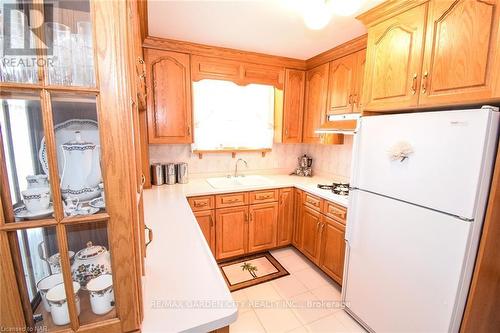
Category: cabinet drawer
[231,200]
[312,201]
[335,211]
[202,203]
[263,196]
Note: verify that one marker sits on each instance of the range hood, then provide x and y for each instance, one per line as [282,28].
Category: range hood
[339,124]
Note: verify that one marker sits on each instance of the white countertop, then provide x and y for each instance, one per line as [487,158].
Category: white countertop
[183,289]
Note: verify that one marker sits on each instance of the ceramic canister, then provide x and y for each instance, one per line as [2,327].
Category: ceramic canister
[56,297]
[102,297]
[47,283]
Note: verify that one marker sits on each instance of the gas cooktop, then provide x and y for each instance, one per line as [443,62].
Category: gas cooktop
[336,188]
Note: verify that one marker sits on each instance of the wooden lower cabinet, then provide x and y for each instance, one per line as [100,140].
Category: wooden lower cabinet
[262,226]
[286,210]
[332,248]
[231,232]
[311,220]
[206,221]
[297,232]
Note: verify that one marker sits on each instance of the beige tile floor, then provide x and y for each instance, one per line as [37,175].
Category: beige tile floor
[304,301]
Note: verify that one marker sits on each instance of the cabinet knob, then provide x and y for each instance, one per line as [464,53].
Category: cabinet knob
[424,82]
[414,84]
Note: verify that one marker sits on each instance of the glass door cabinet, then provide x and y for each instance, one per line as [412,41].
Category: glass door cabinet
[69,237]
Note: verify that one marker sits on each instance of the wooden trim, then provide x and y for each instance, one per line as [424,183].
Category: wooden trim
[142,9]
[387,9]
[352,46]
[224,329]
[106,326]
[31,87]
[28,224]
[483,304]
[85,218]
[222,52]
[233,152]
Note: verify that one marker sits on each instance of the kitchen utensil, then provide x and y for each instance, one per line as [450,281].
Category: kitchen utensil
[56,297]
[102,297]
[170,173]
[89,263]
[182,173]
[45,284]
[305,166]
[157,174]
[36,199]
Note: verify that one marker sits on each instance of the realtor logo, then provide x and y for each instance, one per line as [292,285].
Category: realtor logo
[23,29]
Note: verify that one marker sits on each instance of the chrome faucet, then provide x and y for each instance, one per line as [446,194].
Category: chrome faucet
[236,166]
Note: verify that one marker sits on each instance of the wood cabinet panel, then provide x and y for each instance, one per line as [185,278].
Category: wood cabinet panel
[263,196]
[332,248]
[169,97]
[262,226]
[311,220]
[460,50]
[335,212]
[297,232]
[360,76]
[264,74]
[231,200]
[315,102]
[285,216]
[394,58]
[313,201]
[342,84]
[202,203]
[231,232]
[206,221]
[293,105]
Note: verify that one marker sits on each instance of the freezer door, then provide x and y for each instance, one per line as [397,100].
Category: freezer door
[433,159]
[404,265]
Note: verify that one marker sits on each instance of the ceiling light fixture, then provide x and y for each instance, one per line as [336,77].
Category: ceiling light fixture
[317,14]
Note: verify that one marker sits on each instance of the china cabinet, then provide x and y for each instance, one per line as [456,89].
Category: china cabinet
[69,217]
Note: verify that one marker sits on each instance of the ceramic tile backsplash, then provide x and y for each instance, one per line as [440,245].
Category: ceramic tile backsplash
[333,161]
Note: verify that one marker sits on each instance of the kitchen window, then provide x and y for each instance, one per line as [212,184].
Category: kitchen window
[232,117]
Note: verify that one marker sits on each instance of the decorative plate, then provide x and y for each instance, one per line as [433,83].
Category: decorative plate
[23,213]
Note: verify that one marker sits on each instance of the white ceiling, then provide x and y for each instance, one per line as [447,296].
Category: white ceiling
[266,26]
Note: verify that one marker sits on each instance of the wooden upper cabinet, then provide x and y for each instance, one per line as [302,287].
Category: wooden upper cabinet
[460,51]
[262,226]
[342,84]
[394,60]
[169,97]
[206,221]
[360,76]
[332,248]
[315,102]
[231,232]
[285,216]
[239,72]
[293,105]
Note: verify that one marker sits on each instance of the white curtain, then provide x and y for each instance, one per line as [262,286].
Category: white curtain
[229,116]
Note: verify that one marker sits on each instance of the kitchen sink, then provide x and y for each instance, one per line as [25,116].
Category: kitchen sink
[239,181]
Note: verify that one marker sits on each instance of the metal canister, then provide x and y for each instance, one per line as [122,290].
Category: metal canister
[170,173]
[157,174]
[182,173]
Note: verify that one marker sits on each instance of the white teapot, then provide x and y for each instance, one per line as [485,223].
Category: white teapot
[89,263]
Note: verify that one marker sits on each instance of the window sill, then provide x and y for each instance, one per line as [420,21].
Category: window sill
[233,152]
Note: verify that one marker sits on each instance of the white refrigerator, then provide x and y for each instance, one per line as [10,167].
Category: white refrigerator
[420,185]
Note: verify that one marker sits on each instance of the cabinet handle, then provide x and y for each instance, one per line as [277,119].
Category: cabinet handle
[286,132]
[317,225]
[350,99]
[200,204]
[189,130]
[150,235]
[414,84]
[140,60]
[232,200]
[251,216]
[262,197]
[312,202]
[143,180]
[424,82]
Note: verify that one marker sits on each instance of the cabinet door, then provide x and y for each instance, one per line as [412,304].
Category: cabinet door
[460,51]
[393,61]
[315,102]
[231,232]
[297,232]
[293,105]
[358,86]
[169,97]
[332,248]
[285,216]
[341,85]
[206,220]
[263,226]
[310,228]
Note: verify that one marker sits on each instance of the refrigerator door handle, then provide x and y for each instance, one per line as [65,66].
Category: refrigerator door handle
[351,216]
